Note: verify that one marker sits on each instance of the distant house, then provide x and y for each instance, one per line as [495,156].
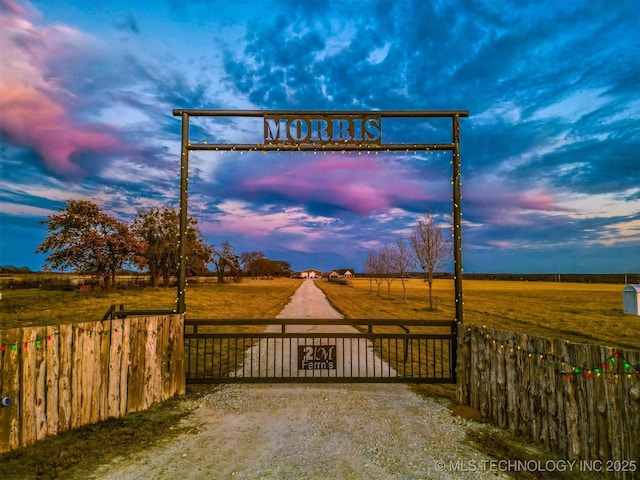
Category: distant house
[311,273]
[341,273]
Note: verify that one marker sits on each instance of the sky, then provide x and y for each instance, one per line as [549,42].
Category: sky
[550,151]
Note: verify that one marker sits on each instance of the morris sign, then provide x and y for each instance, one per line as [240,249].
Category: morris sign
[347,129]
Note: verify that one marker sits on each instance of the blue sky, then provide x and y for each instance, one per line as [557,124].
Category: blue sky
[550,150]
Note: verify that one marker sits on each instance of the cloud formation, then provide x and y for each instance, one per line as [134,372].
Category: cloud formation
[550,151]
[36,110]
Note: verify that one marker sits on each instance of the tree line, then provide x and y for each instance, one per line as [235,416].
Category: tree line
[84,239]
[426,248]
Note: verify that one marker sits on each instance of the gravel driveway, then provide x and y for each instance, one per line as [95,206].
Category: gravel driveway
[302,431]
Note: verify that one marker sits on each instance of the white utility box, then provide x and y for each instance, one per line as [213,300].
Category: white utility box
[630,295]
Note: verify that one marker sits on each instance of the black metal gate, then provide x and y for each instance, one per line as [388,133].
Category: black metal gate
[318,350]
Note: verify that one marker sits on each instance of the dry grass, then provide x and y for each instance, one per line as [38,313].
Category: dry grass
[248,299]
[583,313]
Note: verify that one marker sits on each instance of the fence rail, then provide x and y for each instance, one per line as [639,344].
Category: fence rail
[318,350]
[64,376]
[116,311]
[581,401]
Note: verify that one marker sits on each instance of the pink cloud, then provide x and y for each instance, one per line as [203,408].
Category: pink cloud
[35,121]
[494,202]
[363,186]
[12,8]
[33,113]
[345,164]
[502,244]
[538,201]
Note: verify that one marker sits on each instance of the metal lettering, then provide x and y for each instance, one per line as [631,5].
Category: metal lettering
[372,129]
[317,357]
[271,125]
[309,129]
[299,130]
[345,129]
[323,129]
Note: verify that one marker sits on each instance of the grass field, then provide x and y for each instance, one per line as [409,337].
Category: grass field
[578,312]
[247,299]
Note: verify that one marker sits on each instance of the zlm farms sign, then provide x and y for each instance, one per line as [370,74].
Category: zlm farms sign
[316,357]
[349,129]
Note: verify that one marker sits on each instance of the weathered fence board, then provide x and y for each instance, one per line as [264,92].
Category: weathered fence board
[53,375]
[580,401]
[64,376]
[65,341]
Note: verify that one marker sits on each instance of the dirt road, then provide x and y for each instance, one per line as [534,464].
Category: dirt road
[332,431]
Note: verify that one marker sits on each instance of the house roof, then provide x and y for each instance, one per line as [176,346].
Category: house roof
[342,271]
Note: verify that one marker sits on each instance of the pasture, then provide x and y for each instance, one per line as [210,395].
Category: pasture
[248,299]
[577,312]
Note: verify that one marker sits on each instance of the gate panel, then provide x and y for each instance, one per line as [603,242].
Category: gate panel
[316,350]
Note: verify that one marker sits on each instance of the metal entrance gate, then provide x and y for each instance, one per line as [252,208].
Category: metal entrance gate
[317,350]
[393,353]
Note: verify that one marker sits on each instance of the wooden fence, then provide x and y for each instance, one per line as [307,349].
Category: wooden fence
[64,376]
[580,401]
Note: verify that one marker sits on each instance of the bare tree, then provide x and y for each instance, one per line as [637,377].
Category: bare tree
[370,268]
[430,248]
[376,269]
[226,261]
[404,261]
[388,265]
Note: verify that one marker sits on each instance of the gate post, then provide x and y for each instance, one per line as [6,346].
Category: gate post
[181,306]
[457,220]
[457,243]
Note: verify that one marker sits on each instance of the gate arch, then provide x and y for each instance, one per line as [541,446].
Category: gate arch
[325,131]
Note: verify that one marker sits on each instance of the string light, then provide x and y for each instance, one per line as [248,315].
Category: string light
[38,342]
[614,365]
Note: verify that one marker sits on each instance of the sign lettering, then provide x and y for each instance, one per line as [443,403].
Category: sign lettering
[316,357]
[322,129]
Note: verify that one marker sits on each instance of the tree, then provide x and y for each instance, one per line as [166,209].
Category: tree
[281,268]
[370,269]
[264,267]
[158,230]
[404,261]
[248,259]
[198,252]
[88,241]
[431,250]
[226,261]
[388,259]
[376,268]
